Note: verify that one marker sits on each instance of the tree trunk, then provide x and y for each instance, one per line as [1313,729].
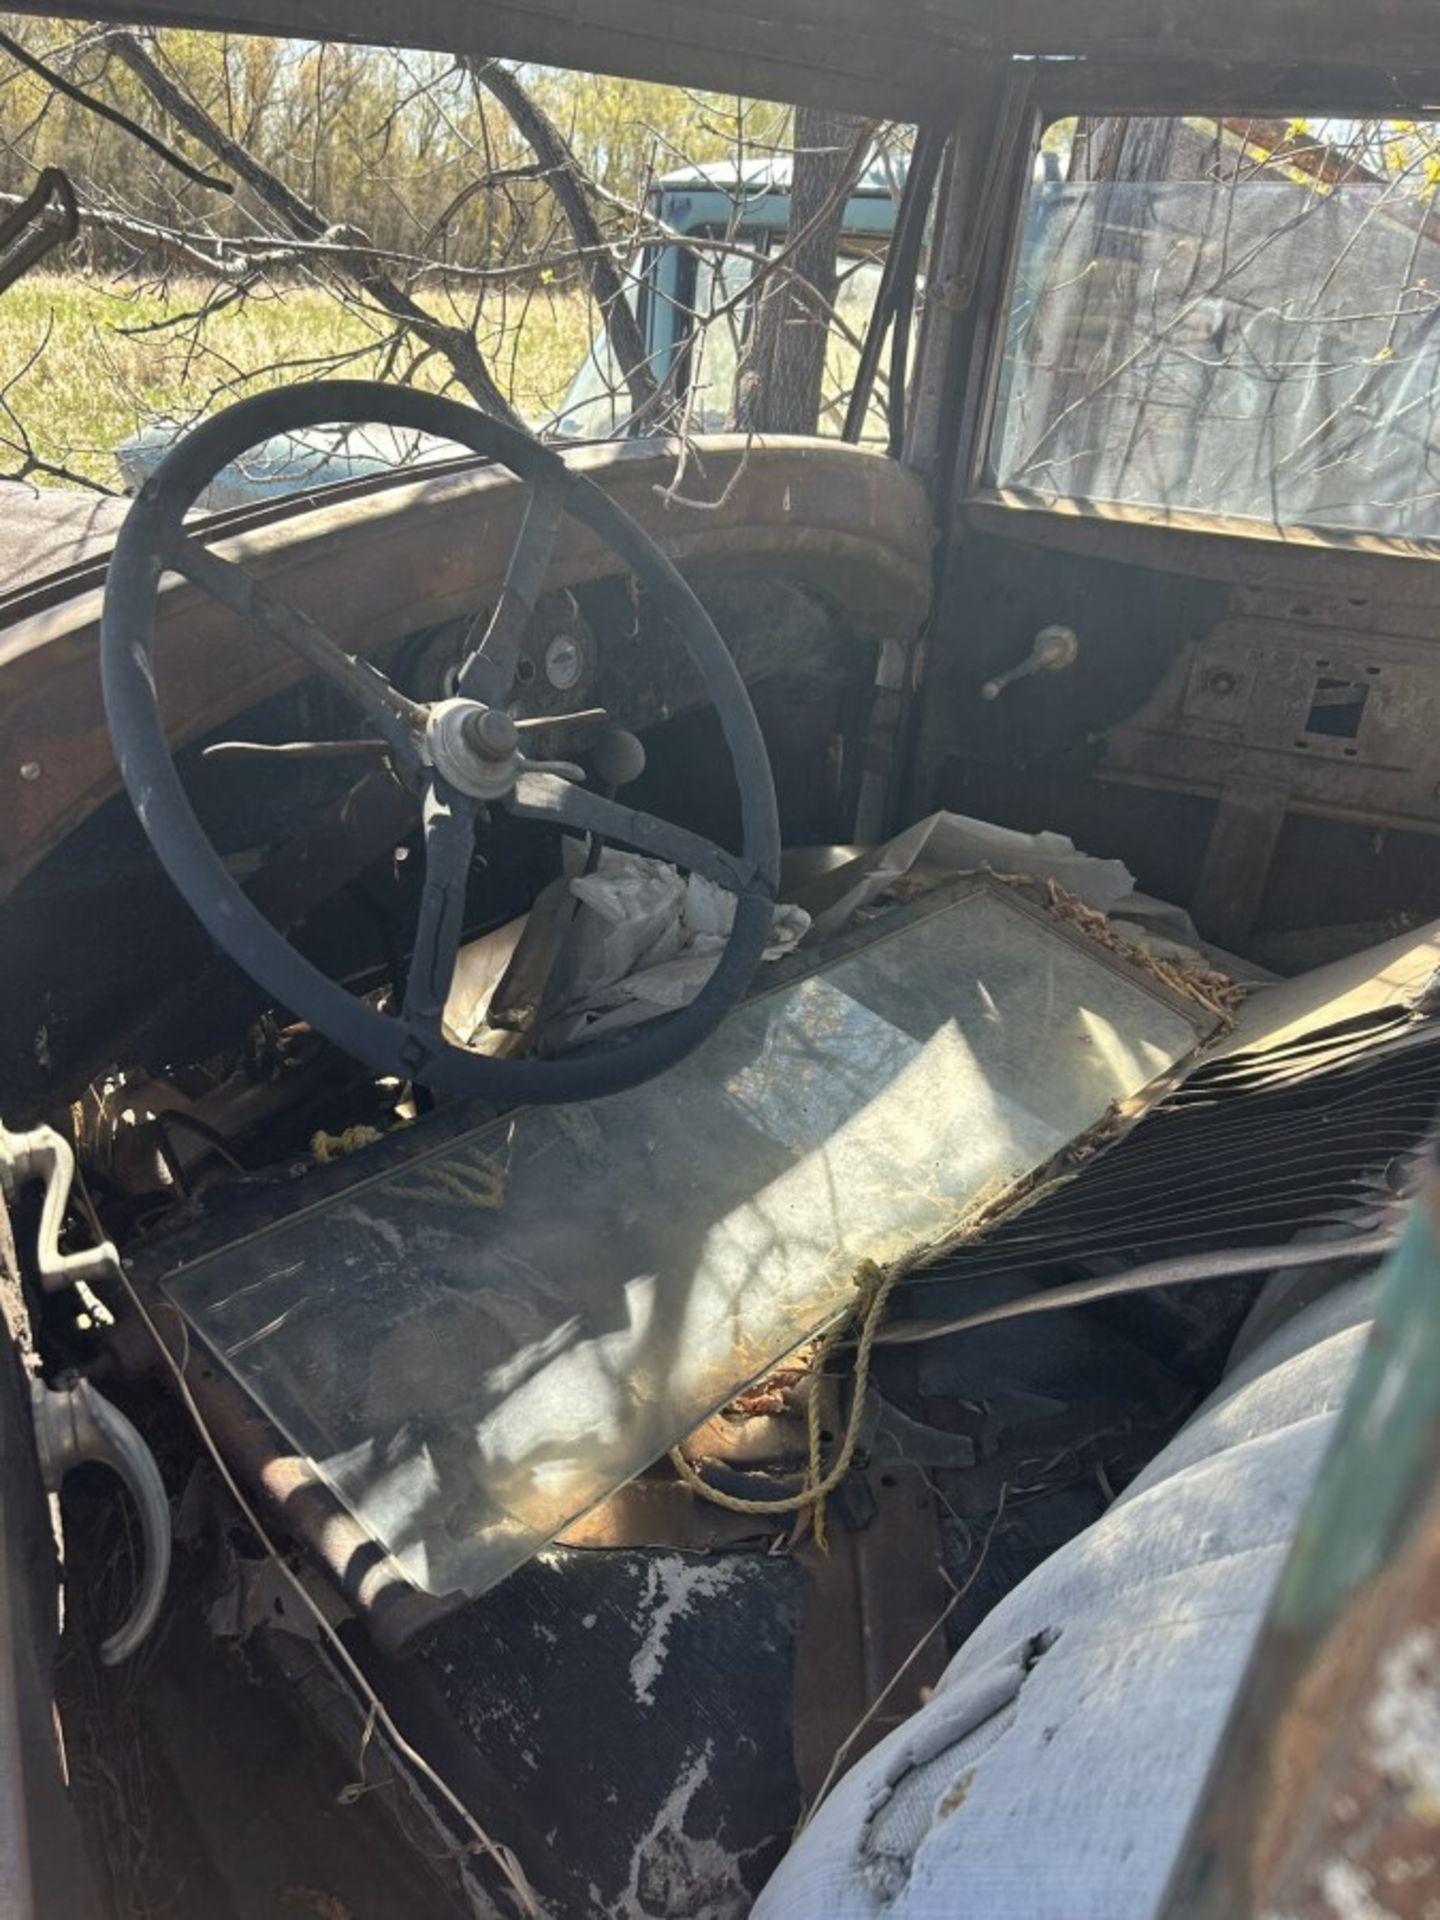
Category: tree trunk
[779,389]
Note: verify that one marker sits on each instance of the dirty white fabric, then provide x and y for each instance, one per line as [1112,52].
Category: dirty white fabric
[1080,1719]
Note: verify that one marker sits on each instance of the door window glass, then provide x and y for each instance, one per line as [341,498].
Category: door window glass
[1230,317]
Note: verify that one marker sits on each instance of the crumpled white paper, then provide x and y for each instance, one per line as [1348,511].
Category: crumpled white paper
[645,939]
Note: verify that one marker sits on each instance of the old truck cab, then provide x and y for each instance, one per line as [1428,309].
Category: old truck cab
[717,1191]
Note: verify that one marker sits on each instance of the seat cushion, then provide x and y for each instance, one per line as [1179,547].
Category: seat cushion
[1053,1773]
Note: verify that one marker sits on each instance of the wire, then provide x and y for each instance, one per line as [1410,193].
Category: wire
[113,114]
[1180,1272]
[505,1859]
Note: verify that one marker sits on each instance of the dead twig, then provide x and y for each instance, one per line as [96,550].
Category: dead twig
[847,1744]
[356,259]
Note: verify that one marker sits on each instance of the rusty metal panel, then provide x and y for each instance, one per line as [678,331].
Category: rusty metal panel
[1324,1799]
[476,1349]
[375,566]
[1341,721]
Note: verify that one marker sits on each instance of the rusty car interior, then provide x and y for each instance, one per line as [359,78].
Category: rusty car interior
[693,1169]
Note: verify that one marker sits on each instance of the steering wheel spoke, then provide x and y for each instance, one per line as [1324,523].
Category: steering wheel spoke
[555,802]
[449,823]
[401,721]
[488,673]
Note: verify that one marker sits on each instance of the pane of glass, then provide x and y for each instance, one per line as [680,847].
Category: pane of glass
[475,1349]
[720,334]
[1230,317]
[722,341]
[597,405]
[854,304]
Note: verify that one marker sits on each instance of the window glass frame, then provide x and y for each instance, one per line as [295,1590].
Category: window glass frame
[1102,95]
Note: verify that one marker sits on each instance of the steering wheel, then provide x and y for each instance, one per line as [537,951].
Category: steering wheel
[461,753]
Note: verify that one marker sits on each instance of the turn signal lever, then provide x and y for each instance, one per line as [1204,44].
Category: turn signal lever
[1053,649]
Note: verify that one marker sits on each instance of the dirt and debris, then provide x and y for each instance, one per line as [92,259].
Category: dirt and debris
[1207,985]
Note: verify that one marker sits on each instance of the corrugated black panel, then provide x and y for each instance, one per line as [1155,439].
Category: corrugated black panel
[1249,1149]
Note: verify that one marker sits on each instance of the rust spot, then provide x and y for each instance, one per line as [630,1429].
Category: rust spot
[952,1801]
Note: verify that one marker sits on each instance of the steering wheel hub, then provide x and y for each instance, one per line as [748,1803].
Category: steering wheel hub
[475,747]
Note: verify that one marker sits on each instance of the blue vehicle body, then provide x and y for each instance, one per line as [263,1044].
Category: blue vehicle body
[749,210]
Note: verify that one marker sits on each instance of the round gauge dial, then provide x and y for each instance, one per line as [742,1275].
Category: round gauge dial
[564,662]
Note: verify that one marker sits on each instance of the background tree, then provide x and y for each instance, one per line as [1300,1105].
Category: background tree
[464,225]
[782,376]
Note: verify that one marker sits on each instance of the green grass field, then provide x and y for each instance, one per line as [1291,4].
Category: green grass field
[85,361]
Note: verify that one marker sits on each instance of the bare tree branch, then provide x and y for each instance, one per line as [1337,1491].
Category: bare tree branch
[15,435]
[569,185]
[355,258]
[114,116]
[410,196]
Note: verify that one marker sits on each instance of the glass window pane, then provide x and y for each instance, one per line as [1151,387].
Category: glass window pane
[854,303]
[722,312]
[722,336]
[470,1363]
[1230,317]
[720,333]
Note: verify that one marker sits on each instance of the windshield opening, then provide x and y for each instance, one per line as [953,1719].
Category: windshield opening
[711,322]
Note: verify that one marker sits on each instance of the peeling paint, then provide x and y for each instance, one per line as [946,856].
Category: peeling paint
[672,1585]
[674,1873]
[1404,1721]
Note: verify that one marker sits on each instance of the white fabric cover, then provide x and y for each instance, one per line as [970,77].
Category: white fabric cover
[1053,1773]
